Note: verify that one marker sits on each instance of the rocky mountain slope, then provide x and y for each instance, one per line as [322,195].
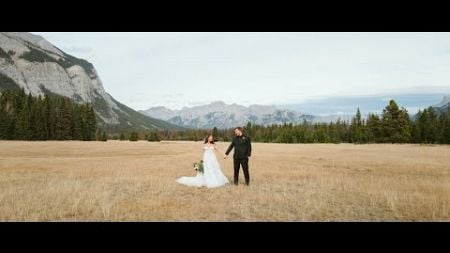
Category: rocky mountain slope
[30,62]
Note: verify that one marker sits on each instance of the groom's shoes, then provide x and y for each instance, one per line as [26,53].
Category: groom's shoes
[236,184]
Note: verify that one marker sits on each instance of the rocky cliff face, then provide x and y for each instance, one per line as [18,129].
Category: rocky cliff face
[38,67]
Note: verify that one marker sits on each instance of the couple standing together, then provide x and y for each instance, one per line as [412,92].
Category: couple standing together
[212,175]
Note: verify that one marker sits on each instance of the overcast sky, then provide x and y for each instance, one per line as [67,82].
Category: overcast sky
[184,69]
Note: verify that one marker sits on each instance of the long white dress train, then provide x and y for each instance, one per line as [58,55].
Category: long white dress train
[212,173]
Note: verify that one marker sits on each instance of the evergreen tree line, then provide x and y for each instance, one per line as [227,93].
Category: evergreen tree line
[394,125]
[52,117]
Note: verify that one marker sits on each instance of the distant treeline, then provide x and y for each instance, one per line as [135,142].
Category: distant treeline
[52,117]
[394,125]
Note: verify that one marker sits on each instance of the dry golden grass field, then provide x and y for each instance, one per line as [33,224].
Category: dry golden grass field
[135,181]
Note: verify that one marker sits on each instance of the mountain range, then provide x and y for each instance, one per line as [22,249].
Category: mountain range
[30,62]
[221,115]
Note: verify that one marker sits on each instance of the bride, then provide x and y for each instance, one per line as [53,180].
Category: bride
[212,175]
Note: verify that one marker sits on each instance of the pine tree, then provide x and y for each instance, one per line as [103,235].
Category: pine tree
[395,124]
[433,128]
[64,123]
[374,128]
[357,131]
[122,137]
[300,133]
[153,137]
[426,127]
[4,118]
[215,133]
[50,116]
[91,123]
[104,137]
[134,136]
[333,133]
[85,132]
[76,124]
[38,120]
[248,130]
[444,136]
[23,119]
[321,133]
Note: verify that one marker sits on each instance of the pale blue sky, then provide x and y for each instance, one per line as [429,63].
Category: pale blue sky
[185,69]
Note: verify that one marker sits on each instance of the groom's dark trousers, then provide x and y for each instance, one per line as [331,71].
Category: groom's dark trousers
[237,164]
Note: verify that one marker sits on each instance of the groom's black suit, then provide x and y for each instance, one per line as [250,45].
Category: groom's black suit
[242,151]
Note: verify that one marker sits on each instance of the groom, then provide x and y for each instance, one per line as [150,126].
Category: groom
[242,151]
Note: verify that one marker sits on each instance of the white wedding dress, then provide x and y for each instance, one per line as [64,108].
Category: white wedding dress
[212,175]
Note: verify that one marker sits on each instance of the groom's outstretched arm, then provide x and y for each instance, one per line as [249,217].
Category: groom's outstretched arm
[229,148]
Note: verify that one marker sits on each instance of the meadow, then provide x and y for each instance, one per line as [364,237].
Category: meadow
[135,181]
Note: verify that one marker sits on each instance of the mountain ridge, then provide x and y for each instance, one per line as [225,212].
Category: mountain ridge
[222,115]
[30,62]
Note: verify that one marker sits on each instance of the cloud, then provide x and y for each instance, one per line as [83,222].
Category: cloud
[260,68]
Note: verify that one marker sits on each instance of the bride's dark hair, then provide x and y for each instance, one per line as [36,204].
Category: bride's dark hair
[207,137]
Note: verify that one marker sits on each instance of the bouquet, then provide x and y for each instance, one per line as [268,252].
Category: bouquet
[199,166]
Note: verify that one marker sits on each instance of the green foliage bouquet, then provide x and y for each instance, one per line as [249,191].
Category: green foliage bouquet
[199,166]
